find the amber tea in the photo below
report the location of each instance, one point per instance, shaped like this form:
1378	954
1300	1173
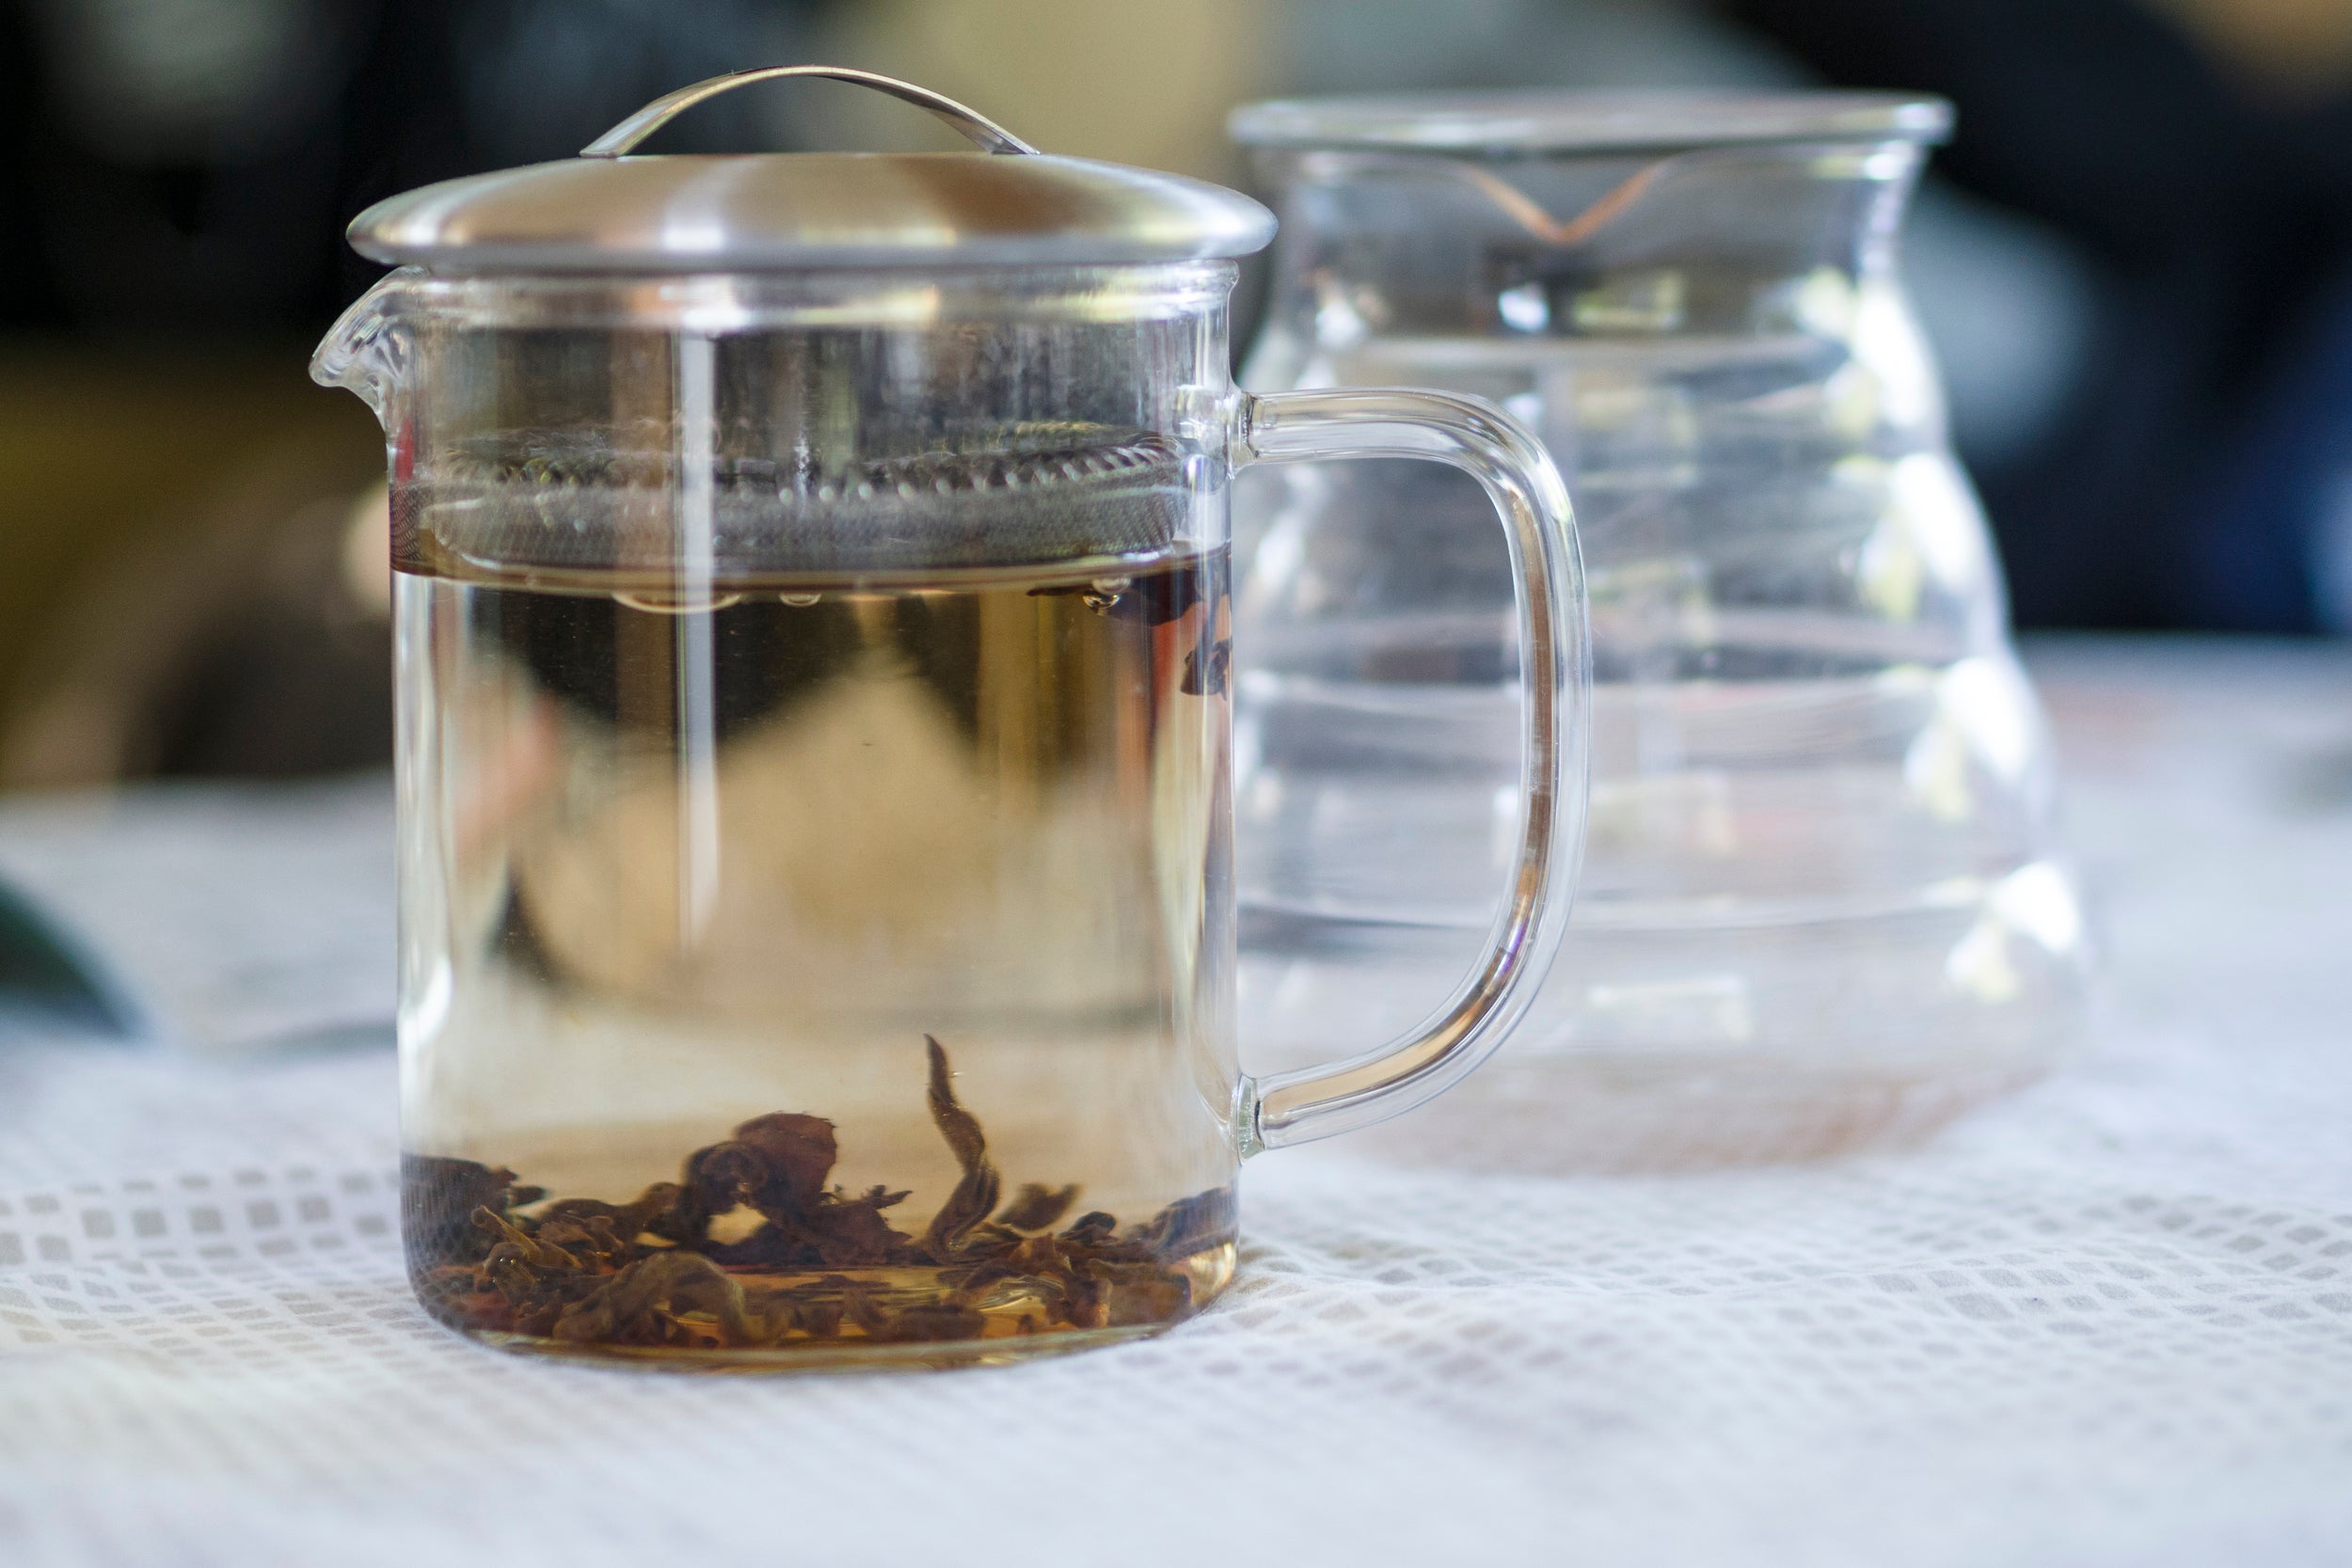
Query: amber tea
818	971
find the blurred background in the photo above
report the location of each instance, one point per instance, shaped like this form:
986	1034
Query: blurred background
2135	259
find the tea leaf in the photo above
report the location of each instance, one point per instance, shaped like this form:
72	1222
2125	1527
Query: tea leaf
1207	668
650	1273
800	1153
1036	1207
975	1195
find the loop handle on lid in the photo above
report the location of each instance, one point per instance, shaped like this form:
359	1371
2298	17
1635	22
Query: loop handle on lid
981	132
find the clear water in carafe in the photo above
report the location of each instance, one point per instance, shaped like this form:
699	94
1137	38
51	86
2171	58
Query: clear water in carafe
1818	903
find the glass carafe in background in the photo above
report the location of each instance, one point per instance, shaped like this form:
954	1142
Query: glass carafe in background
1821	905
815	905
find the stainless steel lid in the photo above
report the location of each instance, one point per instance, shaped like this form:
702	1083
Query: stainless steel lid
1508	123
1009	205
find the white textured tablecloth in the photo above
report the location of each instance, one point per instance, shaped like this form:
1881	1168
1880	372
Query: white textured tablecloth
2108	1321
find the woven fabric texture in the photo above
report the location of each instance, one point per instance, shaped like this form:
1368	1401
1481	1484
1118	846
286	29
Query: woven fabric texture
2106	1321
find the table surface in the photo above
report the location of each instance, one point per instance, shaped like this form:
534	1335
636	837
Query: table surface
2105	1321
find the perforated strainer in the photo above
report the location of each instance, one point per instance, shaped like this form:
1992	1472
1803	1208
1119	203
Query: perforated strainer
1008	496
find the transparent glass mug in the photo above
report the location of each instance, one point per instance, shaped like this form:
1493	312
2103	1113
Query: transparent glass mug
816	915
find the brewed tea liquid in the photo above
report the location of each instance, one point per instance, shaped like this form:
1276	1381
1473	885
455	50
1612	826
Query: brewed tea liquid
800	967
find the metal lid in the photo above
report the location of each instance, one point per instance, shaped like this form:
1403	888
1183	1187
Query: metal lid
1587	121
1010	205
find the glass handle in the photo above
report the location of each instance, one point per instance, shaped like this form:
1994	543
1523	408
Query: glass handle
1555	664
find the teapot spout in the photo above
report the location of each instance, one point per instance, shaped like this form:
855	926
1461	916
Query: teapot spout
368	350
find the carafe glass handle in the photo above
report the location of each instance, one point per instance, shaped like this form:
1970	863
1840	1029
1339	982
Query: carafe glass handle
1555	665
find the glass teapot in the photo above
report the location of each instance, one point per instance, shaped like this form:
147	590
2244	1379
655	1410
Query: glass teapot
814	754
1822	903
